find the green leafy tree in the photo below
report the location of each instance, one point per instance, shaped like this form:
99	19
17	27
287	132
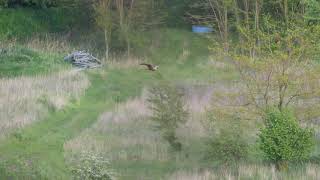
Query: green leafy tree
283	72
282	139
124	17
166	103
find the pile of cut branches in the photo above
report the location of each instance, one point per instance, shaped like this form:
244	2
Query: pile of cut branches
83	59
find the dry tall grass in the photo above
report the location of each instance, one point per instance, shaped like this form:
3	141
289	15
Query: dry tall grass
24	100
126	133
247	171
49	44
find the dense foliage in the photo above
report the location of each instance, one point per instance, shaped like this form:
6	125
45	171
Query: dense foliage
166	103
228	145
283	140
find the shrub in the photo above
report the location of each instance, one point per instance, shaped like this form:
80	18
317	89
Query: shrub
282	140
91	167
166	103
229	144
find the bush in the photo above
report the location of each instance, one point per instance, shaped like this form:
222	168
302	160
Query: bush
166	103
282	140
229	144
91	167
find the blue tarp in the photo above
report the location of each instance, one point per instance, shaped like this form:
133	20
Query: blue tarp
201	29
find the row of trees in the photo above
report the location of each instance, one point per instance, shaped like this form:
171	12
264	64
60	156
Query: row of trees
125	17
117	19
274	45
36	3
251	16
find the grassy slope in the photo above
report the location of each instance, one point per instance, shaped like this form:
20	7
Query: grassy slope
189	69
19	61
37	151
183	56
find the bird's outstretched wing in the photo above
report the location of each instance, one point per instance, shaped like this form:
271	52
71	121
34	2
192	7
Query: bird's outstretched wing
148	65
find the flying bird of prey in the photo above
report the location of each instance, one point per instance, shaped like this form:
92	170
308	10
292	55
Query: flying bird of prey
150	66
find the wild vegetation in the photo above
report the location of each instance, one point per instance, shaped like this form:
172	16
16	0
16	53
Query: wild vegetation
240	102
168	112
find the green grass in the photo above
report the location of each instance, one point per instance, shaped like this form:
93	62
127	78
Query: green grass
38	149
173	68
138	160
159	169
165	46
181	54
21	23
20	61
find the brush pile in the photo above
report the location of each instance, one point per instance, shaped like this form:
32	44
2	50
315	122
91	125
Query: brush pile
83	59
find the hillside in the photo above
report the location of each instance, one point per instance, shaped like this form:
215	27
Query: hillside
242	105
38	149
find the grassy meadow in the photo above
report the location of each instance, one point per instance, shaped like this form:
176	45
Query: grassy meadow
51	112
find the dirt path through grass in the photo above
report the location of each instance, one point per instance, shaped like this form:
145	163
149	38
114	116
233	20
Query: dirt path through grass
37	152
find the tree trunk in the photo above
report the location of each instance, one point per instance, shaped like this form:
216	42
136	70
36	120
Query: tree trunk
285	11
257	15
238	23
128	45
106	39
257	26
282	165
225	30
246	6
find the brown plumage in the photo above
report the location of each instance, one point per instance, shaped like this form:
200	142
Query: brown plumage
150	66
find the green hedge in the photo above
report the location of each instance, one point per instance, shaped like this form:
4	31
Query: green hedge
22	23
38	3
